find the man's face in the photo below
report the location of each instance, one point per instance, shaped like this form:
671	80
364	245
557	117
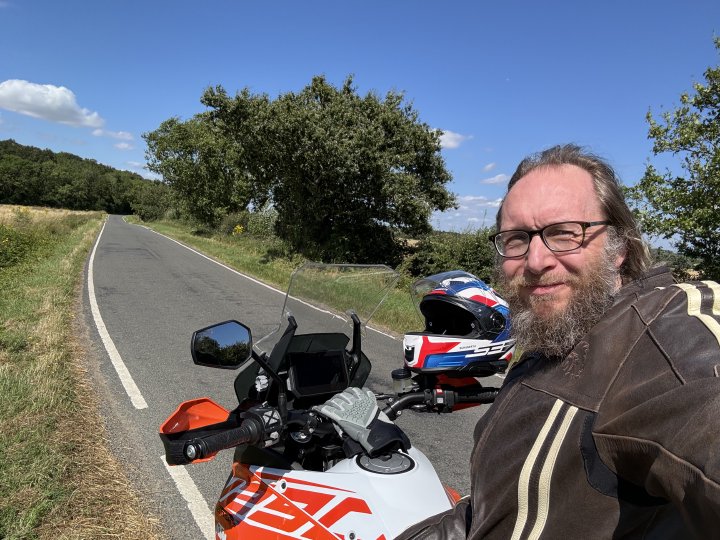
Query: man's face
550	195
556	296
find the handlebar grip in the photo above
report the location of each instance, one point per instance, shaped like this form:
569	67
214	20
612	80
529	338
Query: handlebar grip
247	433
483	396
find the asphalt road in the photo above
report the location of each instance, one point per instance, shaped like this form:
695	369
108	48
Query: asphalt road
150	294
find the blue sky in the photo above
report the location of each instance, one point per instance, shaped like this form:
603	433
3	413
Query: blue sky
502	79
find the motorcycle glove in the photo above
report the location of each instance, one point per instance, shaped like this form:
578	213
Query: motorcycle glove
356	412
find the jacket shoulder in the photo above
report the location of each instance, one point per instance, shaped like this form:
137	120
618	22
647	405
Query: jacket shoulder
683	320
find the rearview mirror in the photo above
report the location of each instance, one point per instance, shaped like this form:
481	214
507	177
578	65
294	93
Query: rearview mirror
226	345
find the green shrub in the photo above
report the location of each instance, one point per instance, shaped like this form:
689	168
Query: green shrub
229	224
15	244
442	251
261	223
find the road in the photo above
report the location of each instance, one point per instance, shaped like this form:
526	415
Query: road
144	296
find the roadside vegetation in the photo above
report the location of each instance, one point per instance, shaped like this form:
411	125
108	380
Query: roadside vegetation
58	478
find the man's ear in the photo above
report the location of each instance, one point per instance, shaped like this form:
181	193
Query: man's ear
621	256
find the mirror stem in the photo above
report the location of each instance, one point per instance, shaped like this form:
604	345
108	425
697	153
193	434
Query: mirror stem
282	395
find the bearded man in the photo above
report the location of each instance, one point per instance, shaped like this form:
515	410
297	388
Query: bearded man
608	426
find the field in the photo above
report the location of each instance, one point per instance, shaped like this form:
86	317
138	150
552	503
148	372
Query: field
57	477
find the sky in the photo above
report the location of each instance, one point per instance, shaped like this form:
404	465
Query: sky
501	79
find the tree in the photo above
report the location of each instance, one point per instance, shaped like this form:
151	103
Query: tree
197	161
29	175
345	173
687	208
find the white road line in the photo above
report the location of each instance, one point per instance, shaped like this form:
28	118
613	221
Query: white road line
125	378
250	278
213	260
195	501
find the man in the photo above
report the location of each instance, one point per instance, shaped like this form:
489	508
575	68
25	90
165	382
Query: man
609	424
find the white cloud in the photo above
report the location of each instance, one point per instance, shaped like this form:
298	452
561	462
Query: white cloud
489	167
450	139
139	168
497	179
48	102
473	212
478	201
122	135
123	146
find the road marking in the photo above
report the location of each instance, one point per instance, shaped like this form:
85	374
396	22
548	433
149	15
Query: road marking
250	278
212	260
125	378
195	501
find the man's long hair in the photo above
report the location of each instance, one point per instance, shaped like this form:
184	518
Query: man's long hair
609	192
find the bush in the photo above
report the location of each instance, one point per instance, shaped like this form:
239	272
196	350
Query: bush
228	225
14	245
258	224
261	223
443	251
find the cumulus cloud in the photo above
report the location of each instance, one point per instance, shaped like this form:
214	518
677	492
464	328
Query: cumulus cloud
48	102
124	146
497	179
450	139
489	167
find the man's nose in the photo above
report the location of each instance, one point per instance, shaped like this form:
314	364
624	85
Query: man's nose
539	257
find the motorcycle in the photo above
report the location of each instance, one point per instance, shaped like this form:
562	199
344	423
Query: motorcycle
297	472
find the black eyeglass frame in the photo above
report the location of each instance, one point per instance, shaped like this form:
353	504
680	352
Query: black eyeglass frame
541	232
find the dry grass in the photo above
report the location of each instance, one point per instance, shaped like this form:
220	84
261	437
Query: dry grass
58	477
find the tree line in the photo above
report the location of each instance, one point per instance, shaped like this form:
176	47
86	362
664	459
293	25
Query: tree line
31	176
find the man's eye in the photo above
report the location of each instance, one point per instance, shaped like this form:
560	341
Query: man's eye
514	239
562	233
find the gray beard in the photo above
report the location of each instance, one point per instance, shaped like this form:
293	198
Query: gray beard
556	334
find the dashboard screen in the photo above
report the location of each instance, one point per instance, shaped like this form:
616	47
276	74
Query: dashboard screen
314	373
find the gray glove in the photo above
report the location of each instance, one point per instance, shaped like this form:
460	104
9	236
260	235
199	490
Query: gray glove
356	412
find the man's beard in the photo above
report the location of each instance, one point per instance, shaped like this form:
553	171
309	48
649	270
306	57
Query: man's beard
554	333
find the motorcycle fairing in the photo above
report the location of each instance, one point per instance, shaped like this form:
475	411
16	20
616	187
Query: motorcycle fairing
264	503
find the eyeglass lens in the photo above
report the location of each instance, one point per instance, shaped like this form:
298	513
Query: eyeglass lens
557	237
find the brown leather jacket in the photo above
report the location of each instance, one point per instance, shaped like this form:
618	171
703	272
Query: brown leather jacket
621	439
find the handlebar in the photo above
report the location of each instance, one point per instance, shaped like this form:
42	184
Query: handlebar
439	400
262	425
248	433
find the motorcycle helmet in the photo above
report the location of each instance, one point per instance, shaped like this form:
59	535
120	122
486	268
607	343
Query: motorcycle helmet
467	327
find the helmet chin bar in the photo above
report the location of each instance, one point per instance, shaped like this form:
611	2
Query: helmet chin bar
427	353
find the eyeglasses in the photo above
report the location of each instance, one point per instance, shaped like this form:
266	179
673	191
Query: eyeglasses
557	237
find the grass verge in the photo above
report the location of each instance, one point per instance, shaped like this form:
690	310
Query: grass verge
58	478
266	260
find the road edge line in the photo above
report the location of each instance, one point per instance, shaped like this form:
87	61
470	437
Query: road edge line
196	503
121	369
